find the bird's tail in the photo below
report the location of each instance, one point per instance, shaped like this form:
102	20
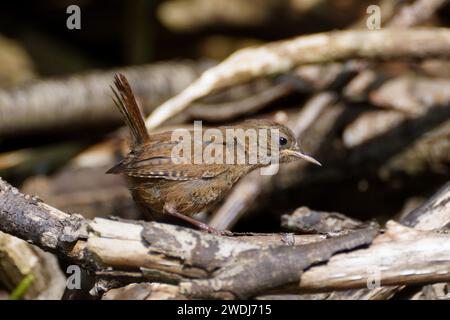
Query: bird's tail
128	107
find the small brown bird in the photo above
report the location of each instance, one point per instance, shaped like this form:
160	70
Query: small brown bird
160	184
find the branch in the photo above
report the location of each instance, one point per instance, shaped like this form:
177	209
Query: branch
416	13
305	220
281	56
85	99
208	266
434	214
225	111
414	95
400	255
29	218
204	265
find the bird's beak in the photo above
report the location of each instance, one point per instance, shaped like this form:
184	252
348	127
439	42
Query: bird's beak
303	156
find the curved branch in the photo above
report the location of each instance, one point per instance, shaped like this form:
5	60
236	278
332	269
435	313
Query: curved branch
208	266
281	56
205	265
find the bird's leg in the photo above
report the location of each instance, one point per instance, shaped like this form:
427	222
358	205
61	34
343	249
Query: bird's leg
201	225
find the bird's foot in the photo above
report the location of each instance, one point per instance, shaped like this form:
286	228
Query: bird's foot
209	229
201	225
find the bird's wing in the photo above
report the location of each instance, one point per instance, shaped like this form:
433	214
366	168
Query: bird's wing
179	172
155	160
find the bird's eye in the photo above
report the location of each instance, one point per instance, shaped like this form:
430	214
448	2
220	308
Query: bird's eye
283	141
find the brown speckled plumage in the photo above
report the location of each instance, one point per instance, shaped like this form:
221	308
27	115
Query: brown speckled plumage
160	186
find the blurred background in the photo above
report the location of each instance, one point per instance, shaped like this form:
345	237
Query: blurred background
381	129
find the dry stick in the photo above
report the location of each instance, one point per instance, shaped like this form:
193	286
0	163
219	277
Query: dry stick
422	9
414	97
193	15
271	268
166	252
28	218
144	291
434	214
86	98
408	15
395	18
437	291
428	151
205	265
384	263
305	220
233	109
279	57
416	13
415	257
427	260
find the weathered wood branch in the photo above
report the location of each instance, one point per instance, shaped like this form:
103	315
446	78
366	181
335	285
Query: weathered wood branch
167	252
29	218
416	13
400	255
434	214
305	220
208	266
281	56
85	99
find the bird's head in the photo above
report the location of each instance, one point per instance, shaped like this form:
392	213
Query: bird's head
287	144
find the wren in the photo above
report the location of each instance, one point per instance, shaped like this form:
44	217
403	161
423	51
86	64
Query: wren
161	185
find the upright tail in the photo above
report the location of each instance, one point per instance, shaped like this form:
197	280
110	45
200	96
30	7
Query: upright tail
128	107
